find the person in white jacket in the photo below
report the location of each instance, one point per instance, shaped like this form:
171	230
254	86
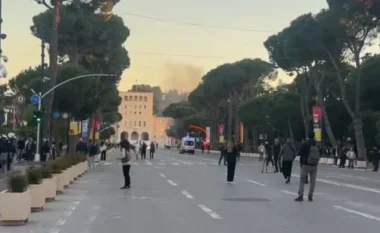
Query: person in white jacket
351	157
103	150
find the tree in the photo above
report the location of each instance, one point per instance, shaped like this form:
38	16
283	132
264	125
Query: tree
355	25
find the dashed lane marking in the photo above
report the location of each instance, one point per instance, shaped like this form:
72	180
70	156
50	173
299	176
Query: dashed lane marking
255	182
172	183
175	164
162	175
365	215
210	212
61	222
358	187
288	192
54	231
187	194
67	213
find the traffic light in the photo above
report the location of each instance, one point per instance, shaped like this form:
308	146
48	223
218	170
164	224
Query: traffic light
37	115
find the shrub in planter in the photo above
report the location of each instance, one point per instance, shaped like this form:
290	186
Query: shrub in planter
37	188
16	203
50	182
56	169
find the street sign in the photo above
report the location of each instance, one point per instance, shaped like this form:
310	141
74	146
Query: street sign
65	115
35	99
56	115
20	99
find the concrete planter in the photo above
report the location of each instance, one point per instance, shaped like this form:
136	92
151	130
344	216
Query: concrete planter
323	161
330	161
60	182
361	164
66	178
51	188
38	194
15	208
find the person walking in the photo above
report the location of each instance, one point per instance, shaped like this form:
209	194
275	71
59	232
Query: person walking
20	148
143	150
287	155
231	159
299	150
125	149
92	151
81	148
46	151
351	157
151	150
276	154
261	151
375	156
223	153
310	154
103	151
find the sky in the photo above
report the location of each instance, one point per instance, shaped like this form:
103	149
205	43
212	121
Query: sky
170	55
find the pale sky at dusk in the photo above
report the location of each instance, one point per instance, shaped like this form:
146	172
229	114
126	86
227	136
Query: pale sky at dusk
150	40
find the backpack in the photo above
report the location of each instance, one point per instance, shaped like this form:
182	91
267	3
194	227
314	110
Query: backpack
314	155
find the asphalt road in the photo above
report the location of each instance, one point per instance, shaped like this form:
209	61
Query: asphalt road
185	194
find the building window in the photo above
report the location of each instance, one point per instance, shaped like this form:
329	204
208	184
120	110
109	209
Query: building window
134	123
130	98
140	98
135	113
140	113
144	123
139	123
140	106
126	98
135	98
145	98
145	106
130	123
126	106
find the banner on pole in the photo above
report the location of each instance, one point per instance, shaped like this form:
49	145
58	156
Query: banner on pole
221	133
85	129
207	135
317	121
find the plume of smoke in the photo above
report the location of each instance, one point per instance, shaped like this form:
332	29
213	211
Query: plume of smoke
181	76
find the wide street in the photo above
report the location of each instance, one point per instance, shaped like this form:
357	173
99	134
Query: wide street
185	194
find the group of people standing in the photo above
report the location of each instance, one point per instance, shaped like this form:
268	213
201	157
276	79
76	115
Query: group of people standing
143	147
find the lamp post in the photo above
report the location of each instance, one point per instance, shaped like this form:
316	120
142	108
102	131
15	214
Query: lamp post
41	96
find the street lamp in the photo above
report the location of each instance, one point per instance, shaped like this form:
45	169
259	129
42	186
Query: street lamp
41	96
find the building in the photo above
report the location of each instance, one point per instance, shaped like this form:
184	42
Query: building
139	122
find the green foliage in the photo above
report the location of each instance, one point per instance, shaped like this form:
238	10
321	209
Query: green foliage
179	110
56	167
34	175
46	172
17	184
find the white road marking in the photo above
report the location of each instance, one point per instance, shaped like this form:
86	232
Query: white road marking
54	231
159	167
214	163
288	192
172	183
162	175
107	163
67	213
92	219
188	195
96	207
72	207
210	212
76	202
162	160
358	187
161	164
4	191
140	198
175	164
149	163
201	163
357	213
255	182
61	222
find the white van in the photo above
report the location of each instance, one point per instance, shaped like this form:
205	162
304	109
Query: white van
187	145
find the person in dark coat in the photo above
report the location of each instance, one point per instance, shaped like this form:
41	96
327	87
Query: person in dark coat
82	148
231	159
276	154
375	155
143	150
287	156
151	150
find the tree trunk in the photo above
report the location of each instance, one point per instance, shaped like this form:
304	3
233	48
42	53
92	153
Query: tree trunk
304	118
229	135
290	130
360	144
53	57
246	143
255	142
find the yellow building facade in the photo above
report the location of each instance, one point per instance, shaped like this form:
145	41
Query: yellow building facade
139	122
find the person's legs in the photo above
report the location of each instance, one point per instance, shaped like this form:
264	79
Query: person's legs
221	157
105	155
89	162
92	163
127	176
290	170
276	163
285	169
303	176
229	170
313	179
